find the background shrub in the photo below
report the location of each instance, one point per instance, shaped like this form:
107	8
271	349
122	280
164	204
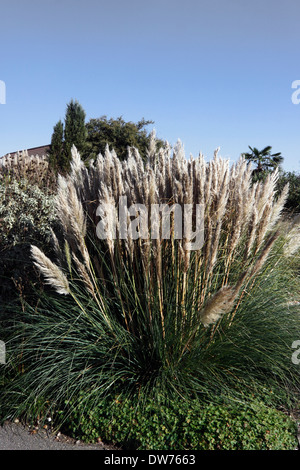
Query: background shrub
292	204
27	215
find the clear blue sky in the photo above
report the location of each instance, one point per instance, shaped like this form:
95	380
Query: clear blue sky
213	73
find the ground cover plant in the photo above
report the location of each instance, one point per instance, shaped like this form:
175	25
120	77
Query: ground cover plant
144	318
174	425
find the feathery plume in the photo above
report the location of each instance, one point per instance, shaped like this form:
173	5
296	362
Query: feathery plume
219	304
52	273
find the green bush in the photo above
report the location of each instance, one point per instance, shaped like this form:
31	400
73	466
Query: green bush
182	425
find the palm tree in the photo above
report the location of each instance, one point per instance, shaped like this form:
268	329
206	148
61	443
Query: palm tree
265	161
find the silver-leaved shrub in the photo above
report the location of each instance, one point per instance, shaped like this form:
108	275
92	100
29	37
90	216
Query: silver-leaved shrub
27	213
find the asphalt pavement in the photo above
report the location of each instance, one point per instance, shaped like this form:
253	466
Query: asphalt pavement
15	436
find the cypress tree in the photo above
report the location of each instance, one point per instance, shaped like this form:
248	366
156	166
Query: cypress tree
57	151
75	132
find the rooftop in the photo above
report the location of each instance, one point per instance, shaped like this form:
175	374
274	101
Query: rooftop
40	151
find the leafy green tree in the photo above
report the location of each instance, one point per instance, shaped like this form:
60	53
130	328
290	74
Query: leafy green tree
91	138
265	161
119	135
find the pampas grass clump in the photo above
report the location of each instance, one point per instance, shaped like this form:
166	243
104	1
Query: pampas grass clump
34	168
149	314
240	226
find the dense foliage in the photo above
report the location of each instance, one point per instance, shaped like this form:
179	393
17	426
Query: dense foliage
181	425
118	135
91	138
